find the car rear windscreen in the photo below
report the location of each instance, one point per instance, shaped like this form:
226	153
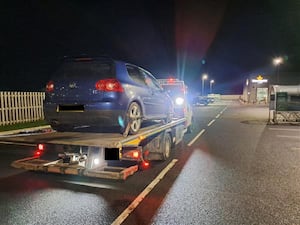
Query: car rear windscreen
80	69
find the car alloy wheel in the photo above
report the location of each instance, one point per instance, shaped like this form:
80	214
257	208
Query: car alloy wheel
134	116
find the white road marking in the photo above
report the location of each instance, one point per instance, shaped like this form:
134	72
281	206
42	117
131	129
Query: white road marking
143	194
223	110
195	138
211	122
202	131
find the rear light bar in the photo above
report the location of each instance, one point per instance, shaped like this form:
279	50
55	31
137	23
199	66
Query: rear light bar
109	85
133	155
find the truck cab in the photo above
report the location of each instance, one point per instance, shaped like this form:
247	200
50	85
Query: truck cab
178	91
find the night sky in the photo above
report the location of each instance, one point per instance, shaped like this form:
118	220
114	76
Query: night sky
229	40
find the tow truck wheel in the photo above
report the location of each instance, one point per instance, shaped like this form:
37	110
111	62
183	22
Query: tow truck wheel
166	147
190	127
134	117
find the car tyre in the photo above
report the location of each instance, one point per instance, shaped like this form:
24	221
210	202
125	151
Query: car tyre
134	118
166	146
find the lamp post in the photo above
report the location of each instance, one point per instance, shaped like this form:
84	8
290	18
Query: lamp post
204	77
210	85
277	61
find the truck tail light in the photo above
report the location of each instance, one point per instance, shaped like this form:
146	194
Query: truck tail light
133	155
109	85
39	151
136	154
41	147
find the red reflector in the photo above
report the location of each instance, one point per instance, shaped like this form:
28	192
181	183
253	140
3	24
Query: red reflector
50	86
38	153
145	165
109	85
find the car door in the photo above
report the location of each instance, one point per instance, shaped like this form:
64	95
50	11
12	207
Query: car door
140	89
157	101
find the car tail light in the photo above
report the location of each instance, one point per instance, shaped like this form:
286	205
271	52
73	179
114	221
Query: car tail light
109	85
50	86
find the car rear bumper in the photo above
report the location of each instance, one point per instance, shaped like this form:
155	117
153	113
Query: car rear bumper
72	116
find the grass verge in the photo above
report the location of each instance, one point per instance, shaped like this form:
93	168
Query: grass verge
18	126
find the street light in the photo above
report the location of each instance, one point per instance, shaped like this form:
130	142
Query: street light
204	77
210	85
277	61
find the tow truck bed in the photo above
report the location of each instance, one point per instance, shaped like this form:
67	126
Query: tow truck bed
82	163
107	140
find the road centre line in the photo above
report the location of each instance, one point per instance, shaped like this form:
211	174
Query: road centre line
120	219
211	122
223	110
220	113
195	138
203	130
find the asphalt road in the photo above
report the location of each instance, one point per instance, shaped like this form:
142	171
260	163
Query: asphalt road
233	169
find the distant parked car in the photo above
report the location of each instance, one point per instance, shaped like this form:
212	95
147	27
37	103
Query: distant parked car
200	100
97	92
210	99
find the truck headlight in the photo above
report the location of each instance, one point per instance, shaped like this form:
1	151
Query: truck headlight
179	101
96	161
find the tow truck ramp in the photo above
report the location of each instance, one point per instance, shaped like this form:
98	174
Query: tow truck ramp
91	154
57	166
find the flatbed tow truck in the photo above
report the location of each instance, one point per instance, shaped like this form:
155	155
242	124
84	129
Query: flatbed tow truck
90	154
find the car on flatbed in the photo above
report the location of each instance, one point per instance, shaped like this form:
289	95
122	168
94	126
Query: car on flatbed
92	92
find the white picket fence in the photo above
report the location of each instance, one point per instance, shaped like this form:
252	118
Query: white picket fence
20	107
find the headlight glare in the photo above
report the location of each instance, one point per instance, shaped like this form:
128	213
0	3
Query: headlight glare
179	101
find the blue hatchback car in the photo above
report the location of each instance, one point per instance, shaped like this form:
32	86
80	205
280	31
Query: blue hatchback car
101	92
